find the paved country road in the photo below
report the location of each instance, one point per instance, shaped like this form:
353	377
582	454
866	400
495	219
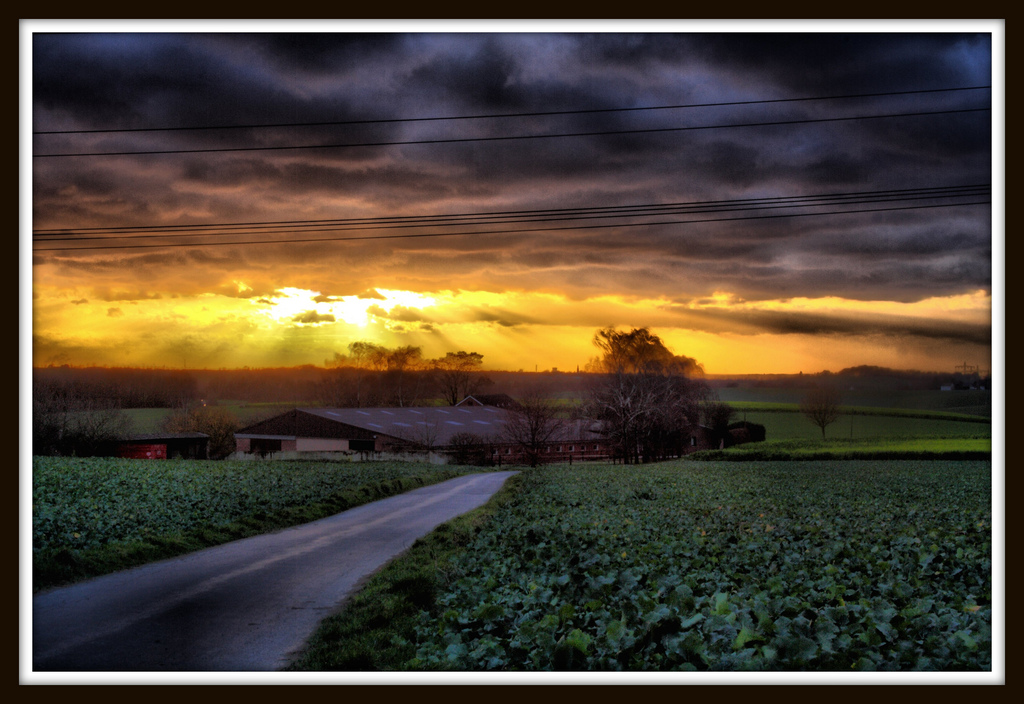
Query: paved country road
248	605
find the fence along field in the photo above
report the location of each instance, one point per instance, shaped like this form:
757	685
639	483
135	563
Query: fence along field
719	566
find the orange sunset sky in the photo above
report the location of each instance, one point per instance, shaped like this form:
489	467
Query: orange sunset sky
769	202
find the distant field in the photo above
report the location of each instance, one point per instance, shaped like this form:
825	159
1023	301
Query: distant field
977	403
889	448
150	420
787	423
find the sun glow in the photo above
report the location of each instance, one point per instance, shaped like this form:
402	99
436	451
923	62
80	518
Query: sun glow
290	325
305	307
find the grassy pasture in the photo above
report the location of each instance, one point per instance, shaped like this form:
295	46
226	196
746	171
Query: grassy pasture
787	423
888	448
150	420
970	402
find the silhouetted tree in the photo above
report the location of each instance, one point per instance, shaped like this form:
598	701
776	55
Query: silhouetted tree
459	375
649	398
469	448
373	375
399	361
218	423
531	425
715	416
821	406
66	421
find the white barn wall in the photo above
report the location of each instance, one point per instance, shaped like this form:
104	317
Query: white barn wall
321	445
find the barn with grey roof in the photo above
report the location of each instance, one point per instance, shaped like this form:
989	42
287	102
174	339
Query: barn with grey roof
434	432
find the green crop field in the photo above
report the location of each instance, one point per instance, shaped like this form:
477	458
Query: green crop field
95	515
843	564
784	566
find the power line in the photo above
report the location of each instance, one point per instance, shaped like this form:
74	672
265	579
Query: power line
510	137
521	216
933	190
547	113
505	232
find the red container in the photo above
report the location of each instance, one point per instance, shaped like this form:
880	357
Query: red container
143	452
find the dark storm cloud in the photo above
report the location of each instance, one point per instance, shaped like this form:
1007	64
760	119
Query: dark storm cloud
480	77
639	51
101	79
794	323
316	53
133	80
836	62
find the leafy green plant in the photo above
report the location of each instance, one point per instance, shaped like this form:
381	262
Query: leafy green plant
720	566
96	515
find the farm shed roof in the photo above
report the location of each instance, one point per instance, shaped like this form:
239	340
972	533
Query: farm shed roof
432	425
427	425
498	400
160	437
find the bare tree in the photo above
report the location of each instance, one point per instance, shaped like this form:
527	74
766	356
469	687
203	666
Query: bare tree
821	406
469	448
68	421
425	435
531	425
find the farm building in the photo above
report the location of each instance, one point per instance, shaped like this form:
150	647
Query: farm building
464	433
496	400
473	432
190	446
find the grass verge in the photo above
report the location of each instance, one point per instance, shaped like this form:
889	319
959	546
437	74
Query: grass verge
64	566
375	630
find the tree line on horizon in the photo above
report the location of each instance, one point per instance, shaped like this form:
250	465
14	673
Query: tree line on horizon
648	398
372	375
